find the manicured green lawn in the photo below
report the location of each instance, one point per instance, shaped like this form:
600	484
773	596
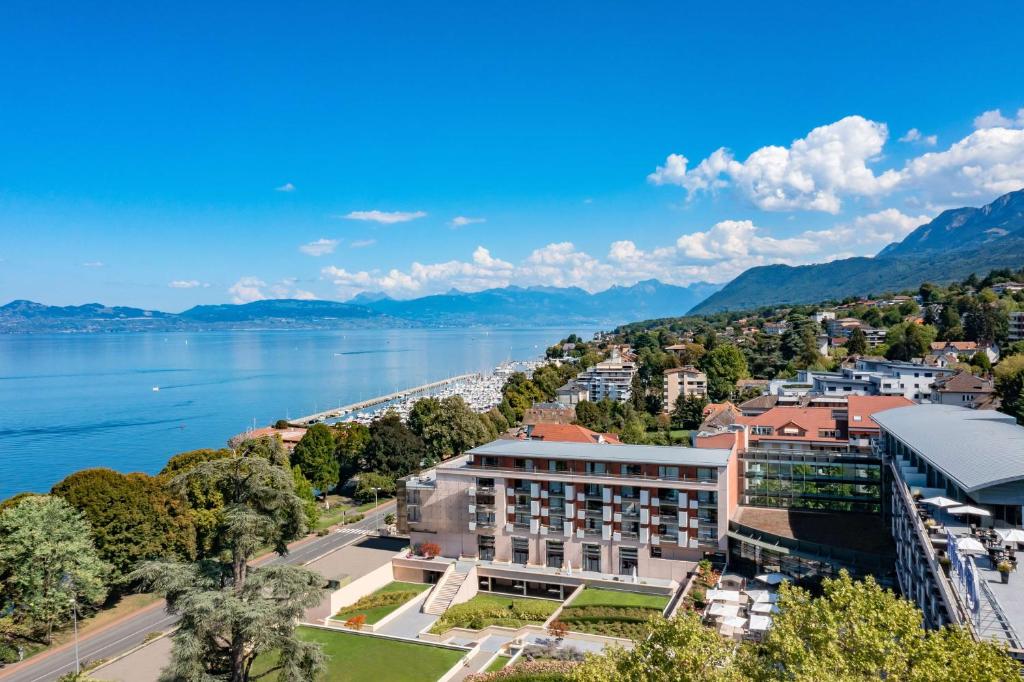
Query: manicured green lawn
613	613
595	596
495	609
498	663
357	658
382	602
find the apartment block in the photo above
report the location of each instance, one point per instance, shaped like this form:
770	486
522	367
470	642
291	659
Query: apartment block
683	382
611	378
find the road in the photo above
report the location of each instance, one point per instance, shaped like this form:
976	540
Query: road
129	633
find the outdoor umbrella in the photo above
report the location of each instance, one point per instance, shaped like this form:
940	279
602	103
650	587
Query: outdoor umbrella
764	607
970	546
723	595
724	610
1011	535
760	622
941	502
758	595
772	578
968	509
735	622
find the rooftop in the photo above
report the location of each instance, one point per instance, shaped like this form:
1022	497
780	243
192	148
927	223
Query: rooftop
951	438
859	532
569	433
964	382
860	408
649	454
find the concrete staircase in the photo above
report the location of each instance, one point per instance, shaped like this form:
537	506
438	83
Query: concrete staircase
445	591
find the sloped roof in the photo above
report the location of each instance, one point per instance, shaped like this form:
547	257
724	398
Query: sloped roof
975	448
861	408
964	382
808	419
569	433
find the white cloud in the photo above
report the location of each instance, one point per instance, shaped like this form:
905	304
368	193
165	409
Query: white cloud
995	119
94	264
320	247
187	284
385	217
362	243
286	187
740	239
462	221
812	173
915	135
869	232
249	289
986	163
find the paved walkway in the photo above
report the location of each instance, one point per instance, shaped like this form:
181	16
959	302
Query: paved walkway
410	622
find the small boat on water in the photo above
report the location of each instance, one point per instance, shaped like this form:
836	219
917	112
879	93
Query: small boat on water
156	388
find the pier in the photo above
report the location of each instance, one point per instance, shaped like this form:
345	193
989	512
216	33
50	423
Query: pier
345	410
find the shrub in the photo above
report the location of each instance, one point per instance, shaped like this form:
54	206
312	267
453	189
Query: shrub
552	652
529	671
390	518
354	518
430	549
356	622
370	480
477	615
557	629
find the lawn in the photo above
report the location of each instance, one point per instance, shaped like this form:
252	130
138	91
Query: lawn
382	602
341	509
498	663
352	658
495	609
614	613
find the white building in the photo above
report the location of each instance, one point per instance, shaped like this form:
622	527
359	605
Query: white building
610	379
683	382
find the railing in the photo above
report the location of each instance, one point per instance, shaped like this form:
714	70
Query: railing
572	475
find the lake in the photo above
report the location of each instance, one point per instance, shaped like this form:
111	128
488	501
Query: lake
70	402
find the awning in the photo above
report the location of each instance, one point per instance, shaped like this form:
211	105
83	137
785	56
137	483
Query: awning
969	510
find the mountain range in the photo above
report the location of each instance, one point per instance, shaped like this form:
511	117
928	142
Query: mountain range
955	244
508	306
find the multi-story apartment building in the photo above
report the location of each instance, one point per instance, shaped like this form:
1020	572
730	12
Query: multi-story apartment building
611	378
1015	331
877	376
940	459
683	382
554	507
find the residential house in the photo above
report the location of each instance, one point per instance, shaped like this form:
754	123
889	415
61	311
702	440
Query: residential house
965	390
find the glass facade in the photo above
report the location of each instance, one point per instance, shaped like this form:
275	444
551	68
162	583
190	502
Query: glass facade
811	481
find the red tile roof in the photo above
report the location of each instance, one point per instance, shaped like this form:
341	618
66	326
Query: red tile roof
808	420
861	407
570	433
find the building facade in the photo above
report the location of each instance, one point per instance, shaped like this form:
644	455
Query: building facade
611	378
603	509
683	382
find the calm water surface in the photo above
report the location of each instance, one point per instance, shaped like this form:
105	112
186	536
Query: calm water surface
70	402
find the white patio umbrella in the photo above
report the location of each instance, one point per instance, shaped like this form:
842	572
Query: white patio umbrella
724	595
940	502
1011	535
969	510
764	607
735	622
726	610
970	546
760	622
757	595
772	578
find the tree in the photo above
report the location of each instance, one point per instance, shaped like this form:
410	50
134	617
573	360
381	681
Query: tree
857	344
393	449
1010	386
859	631
723	365
133	517
47	561
270	448
680	649
374	486
689	412
908	340
634	432
590	415
203	503
231	612
305	492
350	441
314	455
447	426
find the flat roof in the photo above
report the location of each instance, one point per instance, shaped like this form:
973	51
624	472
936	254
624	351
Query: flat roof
650	454
976	448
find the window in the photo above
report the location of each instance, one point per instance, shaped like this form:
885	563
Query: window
668	472
595	468
556	488
486	461
555	554
558	465
767	430
592	490
629	492
525	464
412	513
655	552
706	474
627	560
592	558
523	520
520	551
632	470
485	547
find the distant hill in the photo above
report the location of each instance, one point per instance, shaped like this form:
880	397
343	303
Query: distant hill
509	306
952	246
545	306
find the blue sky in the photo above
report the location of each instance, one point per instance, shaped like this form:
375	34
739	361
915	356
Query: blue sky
192	153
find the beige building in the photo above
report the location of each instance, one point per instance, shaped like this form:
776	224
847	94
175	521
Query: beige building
553	507
683	382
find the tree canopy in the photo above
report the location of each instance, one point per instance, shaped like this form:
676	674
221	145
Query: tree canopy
315	456
723	365
393	449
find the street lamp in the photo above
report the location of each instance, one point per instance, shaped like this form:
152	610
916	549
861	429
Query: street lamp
375	503
69	581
